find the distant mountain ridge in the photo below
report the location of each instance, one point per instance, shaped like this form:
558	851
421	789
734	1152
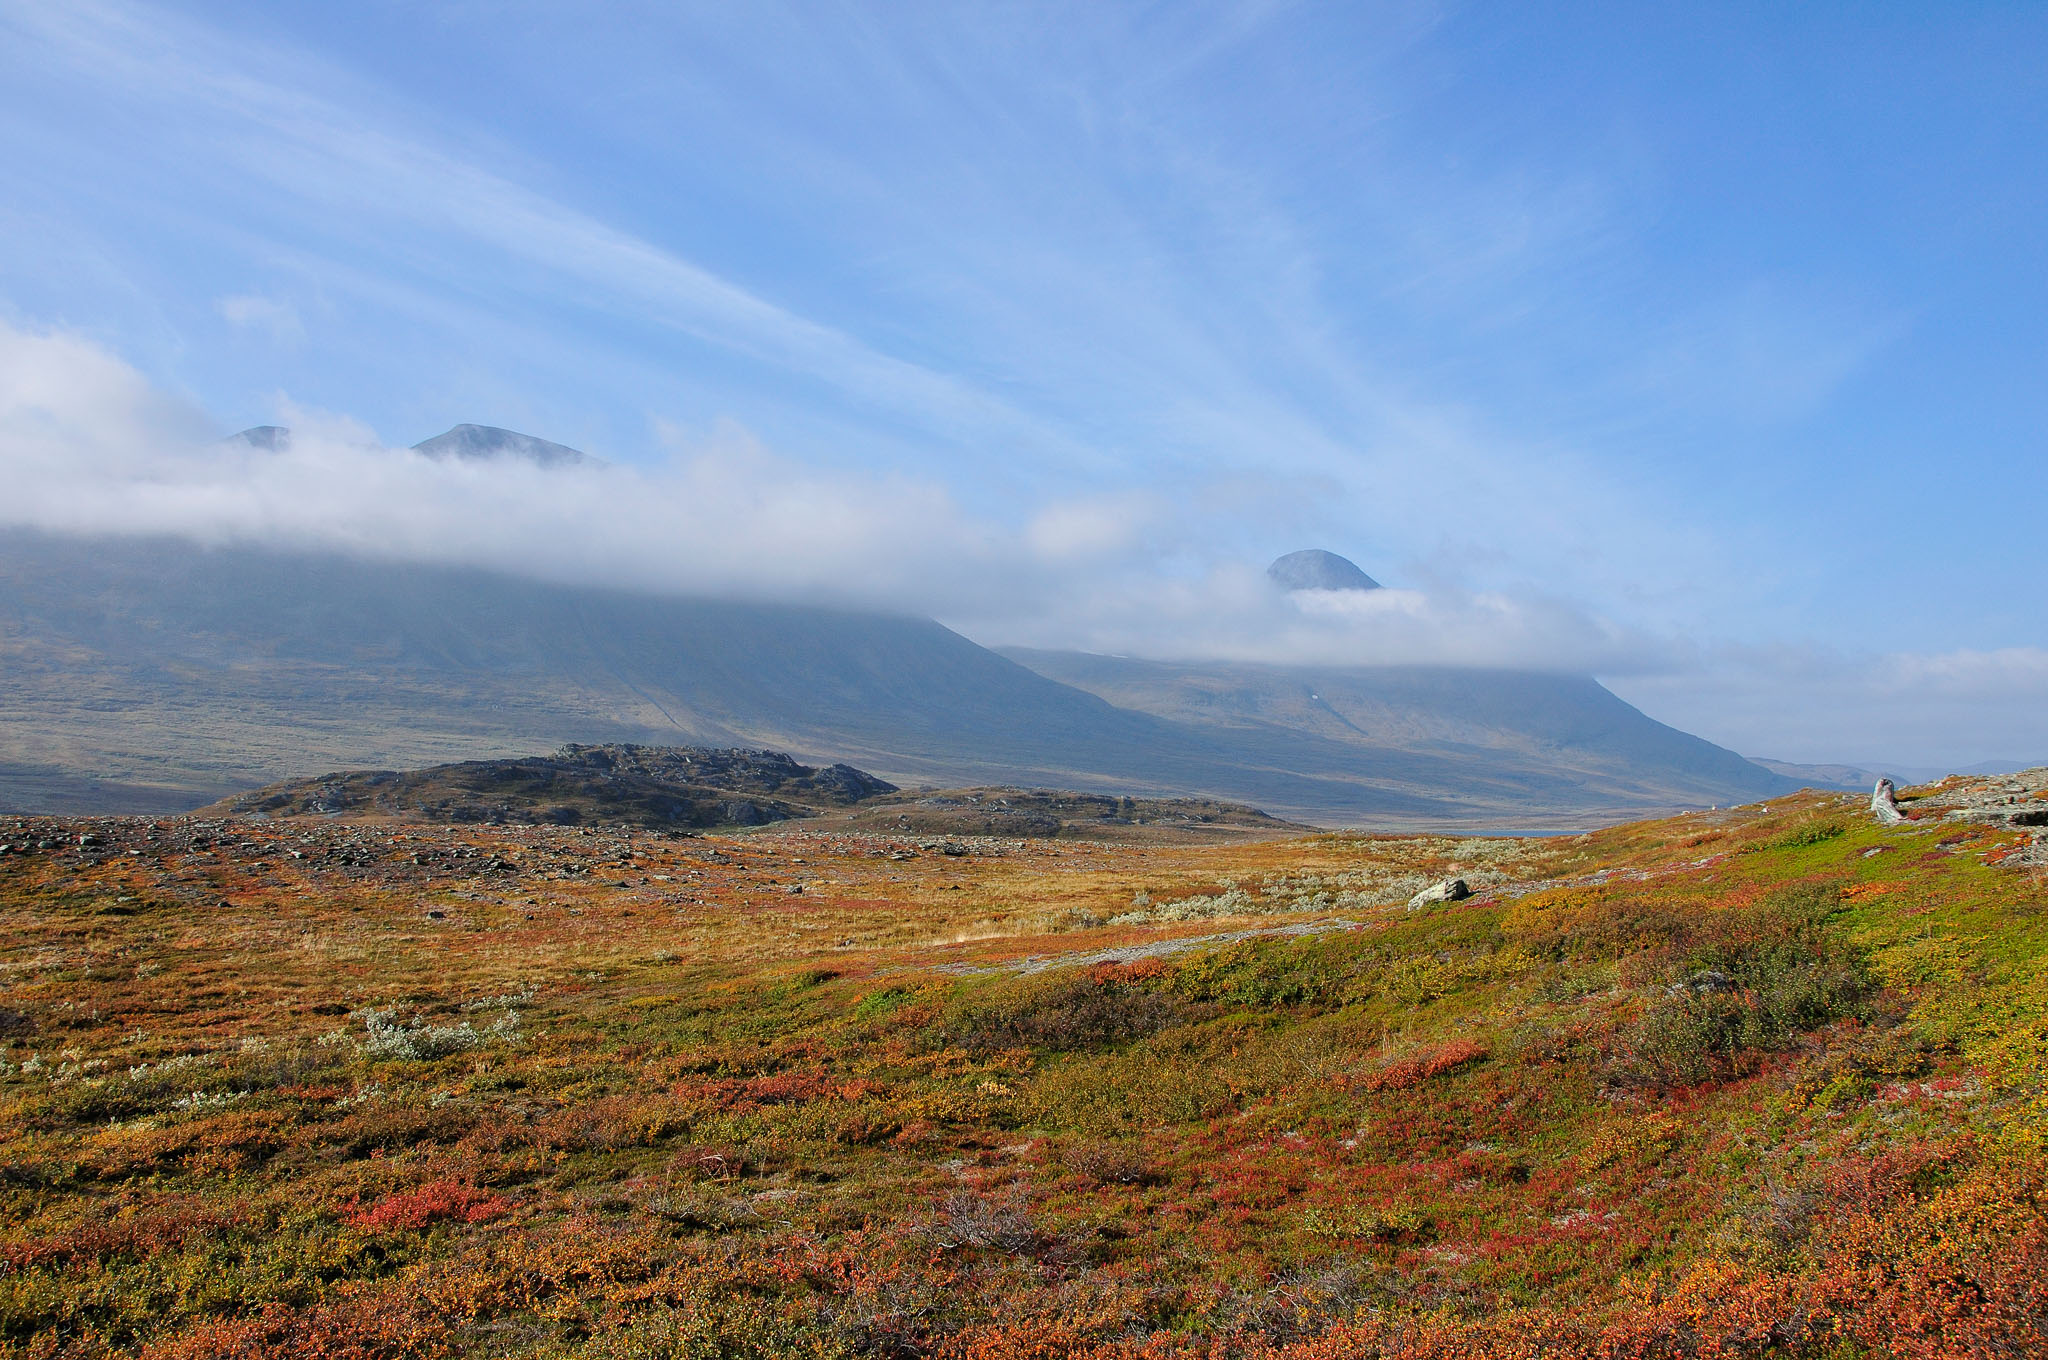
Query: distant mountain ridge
1861	777
480	443
471	443
1490	724
156	675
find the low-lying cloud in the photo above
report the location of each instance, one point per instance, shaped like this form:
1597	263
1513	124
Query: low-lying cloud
89	447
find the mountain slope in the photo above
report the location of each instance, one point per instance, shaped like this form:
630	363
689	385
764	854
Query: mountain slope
1512	721
156	675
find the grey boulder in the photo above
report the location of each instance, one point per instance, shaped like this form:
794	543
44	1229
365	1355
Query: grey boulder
1450	890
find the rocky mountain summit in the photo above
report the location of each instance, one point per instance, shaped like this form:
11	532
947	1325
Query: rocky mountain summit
1317	569
480	443
469	443
264	438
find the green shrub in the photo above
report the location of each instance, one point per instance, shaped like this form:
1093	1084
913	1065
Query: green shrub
1074	1011
1266	973
1813	833
1757	980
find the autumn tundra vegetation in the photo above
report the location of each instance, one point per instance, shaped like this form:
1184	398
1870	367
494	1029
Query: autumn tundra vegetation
1758	1082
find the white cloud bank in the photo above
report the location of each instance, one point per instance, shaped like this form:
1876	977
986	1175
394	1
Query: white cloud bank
90	447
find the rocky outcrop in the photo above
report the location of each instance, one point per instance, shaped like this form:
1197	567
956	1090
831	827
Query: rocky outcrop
2015	800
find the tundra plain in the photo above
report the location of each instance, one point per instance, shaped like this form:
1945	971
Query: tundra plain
1759	1082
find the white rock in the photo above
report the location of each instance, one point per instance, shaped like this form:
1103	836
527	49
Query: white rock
1884	803
1450	890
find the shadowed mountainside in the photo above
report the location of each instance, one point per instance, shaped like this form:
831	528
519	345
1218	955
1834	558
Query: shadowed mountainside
1506	722
155	675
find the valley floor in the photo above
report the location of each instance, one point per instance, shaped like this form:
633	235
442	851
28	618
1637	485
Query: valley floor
1761	1082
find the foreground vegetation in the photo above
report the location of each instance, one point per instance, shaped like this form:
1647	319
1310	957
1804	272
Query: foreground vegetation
1766	1082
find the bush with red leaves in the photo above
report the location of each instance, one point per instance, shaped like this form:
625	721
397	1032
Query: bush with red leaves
443	1201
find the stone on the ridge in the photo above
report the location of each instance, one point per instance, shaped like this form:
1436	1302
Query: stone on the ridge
1884	803
1450	890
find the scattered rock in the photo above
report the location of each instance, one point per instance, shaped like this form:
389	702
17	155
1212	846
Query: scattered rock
1450	890
1884	804
1706	982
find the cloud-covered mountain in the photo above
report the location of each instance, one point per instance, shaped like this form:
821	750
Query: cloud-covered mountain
485	443
153	674
1318	569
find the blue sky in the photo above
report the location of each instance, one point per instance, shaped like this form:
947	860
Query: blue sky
1710	338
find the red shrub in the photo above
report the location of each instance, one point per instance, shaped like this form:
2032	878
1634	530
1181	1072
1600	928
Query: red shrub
435	1202
740	1094
1416	1070
1138	970
376	1328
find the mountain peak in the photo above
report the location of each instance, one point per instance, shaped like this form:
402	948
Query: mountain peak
1316	569
268	438
488	442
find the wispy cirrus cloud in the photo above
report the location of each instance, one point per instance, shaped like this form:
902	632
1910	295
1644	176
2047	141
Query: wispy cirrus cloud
355	160
279	321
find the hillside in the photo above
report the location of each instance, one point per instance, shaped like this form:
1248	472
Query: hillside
1756	1085
1008	813
158	676
1504	724
679	787
653	787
